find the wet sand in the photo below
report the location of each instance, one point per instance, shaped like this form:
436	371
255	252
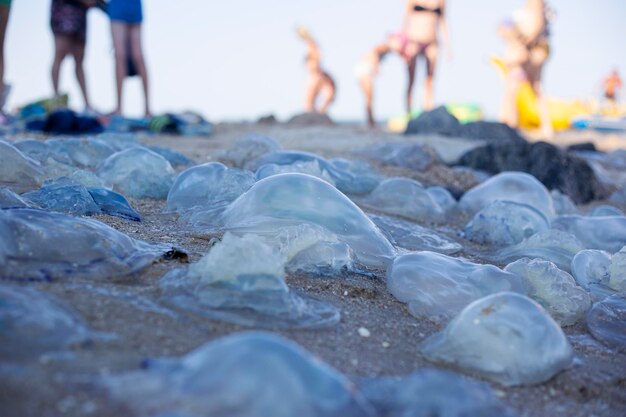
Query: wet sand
130	308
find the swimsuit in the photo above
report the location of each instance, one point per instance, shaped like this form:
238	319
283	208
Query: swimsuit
418	8
68	19
126	11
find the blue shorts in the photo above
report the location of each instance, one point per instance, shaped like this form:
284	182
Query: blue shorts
127	11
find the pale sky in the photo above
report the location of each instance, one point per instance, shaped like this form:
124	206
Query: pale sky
237	60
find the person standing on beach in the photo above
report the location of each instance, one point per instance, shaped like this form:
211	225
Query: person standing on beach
612	85
515	57
5	8
320	81
68	20
368	67
126	19
422	20
532	23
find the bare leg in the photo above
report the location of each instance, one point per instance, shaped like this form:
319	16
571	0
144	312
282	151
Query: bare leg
78	51
430	53
544	113
367	85
312	90
508	109
330	90
138	59
119	32
4	21
62	47
409	91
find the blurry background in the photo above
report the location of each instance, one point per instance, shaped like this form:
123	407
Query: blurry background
240	60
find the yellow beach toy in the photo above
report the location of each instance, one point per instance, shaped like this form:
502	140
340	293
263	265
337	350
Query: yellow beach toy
562	112
465	113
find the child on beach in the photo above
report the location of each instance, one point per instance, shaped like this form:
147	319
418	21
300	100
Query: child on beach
367	69
515	56
320	81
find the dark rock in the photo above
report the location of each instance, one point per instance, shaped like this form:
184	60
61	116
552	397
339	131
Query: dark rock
497	157
491	132
437	121
555	168
587	146
310	119
269	119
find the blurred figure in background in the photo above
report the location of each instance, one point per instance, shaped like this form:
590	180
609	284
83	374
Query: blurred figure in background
5	8
367	69
126	19
515	57
612	85
68	20
422	20
533	24
320	81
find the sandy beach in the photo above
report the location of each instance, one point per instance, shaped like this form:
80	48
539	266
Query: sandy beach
131	311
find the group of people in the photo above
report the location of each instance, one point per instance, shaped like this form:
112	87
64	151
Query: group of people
68	21
527	49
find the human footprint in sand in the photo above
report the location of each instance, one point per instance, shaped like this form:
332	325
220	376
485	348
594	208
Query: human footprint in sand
422	21
367	69
320	81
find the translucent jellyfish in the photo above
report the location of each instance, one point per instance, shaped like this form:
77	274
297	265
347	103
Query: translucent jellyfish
443	197
346	181
617	271
506	337
207	186
307	167
8	199
250	293
42	245
247	150
554	289
289	200
429	393
406	198
119	141
607	321
404	155
414	237
113	204
17	171
438	287
87	178
36	149
32	323
66	197
84	152
509	186
174	158
590	269
368	178
138	173
552	245
602	233
246	374
605	210
505	223
563	204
